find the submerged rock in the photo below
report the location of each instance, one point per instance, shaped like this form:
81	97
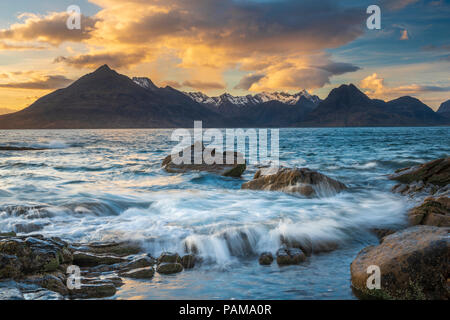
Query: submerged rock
429	178
432	212
290	256
265	259
303	181
141	273
10	148
9	290
169	268
234	169
414	264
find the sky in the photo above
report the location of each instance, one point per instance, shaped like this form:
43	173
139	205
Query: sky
236	46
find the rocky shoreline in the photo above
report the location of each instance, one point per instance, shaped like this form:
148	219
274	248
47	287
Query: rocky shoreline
414	262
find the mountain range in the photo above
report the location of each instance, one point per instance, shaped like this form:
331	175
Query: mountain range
107	99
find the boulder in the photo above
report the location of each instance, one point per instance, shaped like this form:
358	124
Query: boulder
169	257
141	273
188	261
234	169
265	259
290	256
414	264
303	181
10	266
429	178
432	212
169	268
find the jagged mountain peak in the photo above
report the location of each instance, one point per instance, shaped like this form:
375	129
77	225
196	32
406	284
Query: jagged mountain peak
227	98
144	82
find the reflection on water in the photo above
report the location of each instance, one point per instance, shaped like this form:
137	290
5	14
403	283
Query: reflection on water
108	184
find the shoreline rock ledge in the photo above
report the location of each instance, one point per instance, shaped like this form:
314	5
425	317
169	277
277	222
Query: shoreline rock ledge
304	181
236	169
414	265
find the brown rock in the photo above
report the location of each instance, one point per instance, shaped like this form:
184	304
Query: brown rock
428	178
433	212
85	259
304	181
290	256
141	273
265	259
169	257
414	264
234	169
169	268
188	261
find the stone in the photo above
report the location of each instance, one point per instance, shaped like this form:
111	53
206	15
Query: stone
290	256
429	178
302	181
235	169
9	290
169	268
414	264
169	257
188	261
141	273
101	289
432	212
10	266
265	259
85	259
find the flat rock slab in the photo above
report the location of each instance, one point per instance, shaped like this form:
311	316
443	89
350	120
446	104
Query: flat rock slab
84	259
141	273
414	264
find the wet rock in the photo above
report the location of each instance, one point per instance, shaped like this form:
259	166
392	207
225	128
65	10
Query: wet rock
234	169
8	234
290	256
10	148
35	254
188	261
55	282
9	290
43	294
85	259
141	273
303	181
119	249
309	247
432	212
382	233
429	178
414	264
169	268
169	257
10	266
265	259
101	289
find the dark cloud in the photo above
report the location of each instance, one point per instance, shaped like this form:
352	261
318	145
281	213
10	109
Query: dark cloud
338	68
46	83
246	82
203	85
268	26
114	60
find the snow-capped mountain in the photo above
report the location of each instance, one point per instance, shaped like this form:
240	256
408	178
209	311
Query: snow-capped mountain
144	83
283	97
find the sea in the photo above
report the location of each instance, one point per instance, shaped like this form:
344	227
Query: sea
108	185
